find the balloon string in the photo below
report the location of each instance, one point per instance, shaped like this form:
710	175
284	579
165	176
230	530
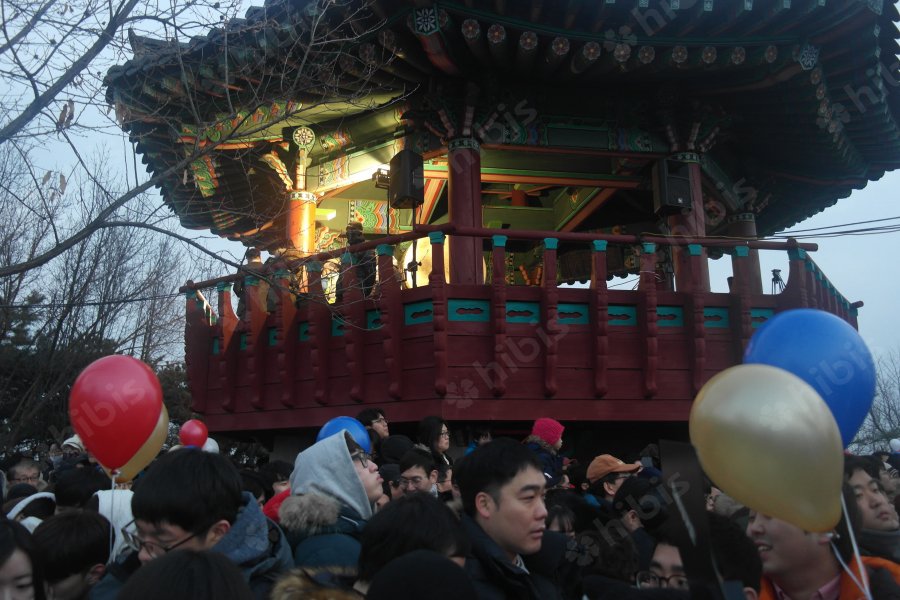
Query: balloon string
112	514
864	584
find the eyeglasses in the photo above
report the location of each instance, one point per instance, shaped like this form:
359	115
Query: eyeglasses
154	549
414	481
363	458
381	420
445	433
28	479
649	579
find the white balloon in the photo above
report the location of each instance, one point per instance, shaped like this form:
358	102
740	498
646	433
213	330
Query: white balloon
211	446
895	445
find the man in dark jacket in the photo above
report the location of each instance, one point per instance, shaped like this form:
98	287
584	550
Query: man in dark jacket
502	486
192	499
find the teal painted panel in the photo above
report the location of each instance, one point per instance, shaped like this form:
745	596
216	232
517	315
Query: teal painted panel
373	319
670	316
478	311
715	318
523	312
758	316
572	314
243	341
215	346
273	336
418	312
304	332
337	327
622	315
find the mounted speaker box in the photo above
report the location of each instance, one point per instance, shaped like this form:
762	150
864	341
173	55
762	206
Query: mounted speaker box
407	187
671	187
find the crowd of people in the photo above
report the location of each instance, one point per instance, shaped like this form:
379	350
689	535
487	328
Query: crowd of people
505	518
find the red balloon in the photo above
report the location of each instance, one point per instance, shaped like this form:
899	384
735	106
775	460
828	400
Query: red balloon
114	406
193	433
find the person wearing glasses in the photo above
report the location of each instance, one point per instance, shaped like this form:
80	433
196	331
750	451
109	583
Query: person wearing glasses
334	487
26	471
192	500
377	427
418	473
435	436
606	473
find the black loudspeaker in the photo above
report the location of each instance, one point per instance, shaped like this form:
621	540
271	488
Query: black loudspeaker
671	187
407	187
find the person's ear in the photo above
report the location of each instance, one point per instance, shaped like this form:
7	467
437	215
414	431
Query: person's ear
216	533
484	504
750	594
95	574
433	477
608	488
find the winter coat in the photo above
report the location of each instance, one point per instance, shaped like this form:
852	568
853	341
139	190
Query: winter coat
317	584
328	507
884	580
254	543
495	578
322	532
551	462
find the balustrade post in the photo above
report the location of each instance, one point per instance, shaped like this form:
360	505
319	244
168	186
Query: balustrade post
199	333
390	310
498	311
464	202
649	328
439	310
599	306
319	332
353	315
695	309
285	337
227	363
741	322
549	312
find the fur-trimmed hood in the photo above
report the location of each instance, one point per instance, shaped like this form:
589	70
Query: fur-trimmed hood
333	583
309	513
540	443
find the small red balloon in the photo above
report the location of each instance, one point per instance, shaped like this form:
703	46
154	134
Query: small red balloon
114	406
193	433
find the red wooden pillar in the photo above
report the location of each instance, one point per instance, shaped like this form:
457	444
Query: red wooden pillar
549	312
464	181
694	313
439	312
390	309
498	311
691	224
301	221
743	225
648	318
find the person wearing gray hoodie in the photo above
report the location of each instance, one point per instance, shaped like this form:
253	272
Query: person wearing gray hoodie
333	488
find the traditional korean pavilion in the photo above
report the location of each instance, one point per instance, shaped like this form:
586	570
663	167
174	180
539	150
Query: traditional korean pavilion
563	141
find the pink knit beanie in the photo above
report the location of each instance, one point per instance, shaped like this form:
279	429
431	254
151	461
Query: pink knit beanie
549	430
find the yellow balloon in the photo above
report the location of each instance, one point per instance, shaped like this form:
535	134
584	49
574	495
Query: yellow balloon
766	438
145	455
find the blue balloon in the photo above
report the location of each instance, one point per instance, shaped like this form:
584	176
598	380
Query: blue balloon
356	429
826	352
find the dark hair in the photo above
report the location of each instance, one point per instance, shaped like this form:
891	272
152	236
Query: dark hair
367	415
14	536
637	493
861	463
489	467
430	432
253	483
42	508
188	575
417	458
415	522
20	490
74	487
564	514
188	488
616	558
72	542
273	472
479	431
736	555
